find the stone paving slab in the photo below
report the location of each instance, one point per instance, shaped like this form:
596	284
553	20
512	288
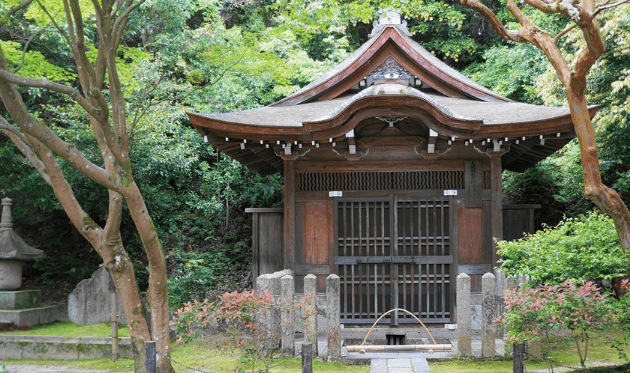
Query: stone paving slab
400	365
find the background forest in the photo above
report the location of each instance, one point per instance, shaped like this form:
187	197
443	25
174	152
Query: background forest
221	56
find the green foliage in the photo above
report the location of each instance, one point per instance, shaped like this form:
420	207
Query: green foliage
35	64
581	248
510	71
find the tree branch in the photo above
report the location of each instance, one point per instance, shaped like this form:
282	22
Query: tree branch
52	20
24	146
13	10
31	127
492	18
121	21
28	43
79	218
607	5
53	86
564	32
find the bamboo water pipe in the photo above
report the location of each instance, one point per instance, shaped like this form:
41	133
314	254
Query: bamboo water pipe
433	347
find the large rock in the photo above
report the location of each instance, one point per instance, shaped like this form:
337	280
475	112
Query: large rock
90	302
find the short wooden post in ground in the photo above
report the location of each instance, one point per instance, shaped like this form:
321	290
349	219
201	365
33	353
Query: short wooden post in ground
310	330
517	365
150	357
114	327
288	315
488	327
463	316
307	358
333	317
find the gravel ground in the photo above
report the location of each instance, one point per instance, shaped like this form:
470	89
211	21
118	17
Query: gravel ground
19	368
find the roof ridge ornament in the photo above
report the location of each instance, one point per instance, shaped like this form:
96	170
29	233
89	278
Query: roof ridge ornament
391	71
389	18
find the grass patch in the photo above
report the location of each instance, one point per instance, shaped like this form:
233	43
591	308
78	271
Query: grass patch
70	330
198	355
563	351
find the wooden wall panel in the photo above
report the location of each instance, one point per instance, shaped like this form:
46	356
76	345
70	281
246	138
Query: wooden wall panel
314	238
470	235
473	176
270	242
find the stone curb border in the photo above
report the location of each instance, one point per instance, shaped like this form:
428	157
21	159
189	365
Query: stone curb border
63	348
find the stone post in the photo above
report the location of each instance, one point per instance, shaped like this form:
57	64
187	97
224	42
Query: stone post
274	316
263	319
310	330
333	317
463	316
288	315
488	327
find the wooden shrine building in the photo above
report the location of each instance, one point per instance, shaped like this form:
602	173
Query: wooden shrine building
392	167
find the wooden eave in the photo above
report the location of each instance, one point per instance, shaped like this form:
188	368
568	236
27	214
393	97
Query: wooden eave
219	128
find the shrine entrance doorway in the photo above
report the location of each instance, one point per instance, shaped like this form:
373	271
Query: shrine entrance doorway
394	252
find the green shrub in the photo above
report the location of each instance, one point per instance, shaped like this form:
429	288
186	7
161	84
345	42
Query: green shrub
586	246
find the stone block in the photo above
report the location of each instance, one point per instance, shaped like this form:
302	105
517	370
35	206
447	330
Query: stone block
29	316
90	302
10	274
14	300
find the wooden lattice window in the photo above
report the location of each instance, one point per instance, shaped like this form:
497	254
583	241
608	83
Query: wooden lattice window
375	180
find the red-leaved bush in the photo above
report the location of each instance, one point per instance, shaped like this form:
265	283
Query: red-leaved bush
531	314
236	324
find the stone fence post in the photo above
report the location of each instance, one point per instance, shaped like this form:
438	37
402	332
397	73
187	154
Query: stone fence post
488	306
333	317
269	320
310	329
288	315
464	316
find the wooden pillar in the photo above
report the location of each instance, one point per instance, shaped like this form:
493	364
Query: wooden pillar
289	213
496	186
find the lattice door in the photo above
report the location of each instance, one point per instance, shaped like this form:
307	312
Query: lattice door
394	256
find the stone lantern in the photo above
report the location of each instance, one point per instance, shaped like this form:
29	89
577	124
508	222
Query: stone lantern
13	251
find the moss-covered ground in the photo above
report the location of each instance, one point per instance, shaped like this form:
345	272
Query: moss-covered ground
563	352
70	330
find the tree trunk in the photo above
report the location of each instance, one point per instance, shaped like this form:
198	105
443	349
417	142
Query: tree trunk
605	198
157	295
121	270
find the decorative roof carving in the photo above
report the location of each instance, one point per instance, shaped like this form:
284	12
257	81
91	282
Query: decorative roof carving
390	71
389	17
391	120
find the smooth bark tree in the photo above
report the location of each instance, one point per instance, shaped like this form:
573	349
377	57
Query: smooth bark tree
572	75
101	96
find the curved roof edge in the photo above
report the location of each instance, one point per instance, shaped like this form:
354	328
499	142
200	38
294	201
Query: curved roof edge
423	58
